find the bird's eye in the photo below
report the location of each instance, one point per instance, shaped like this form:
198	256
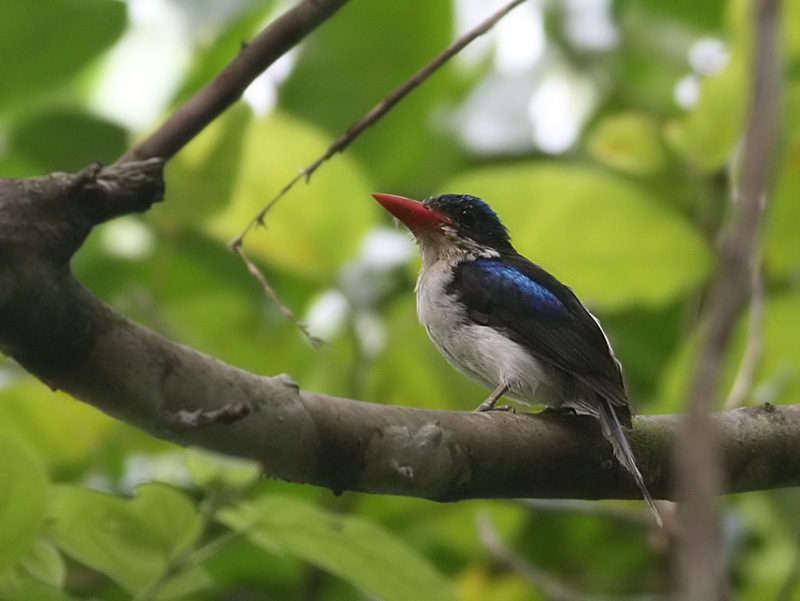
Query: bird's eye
468	217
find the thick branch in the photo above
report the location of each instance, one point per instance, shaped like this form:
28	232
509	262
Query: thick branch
63	334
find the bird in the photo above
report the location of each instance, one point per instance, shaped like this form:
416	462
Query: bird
509	325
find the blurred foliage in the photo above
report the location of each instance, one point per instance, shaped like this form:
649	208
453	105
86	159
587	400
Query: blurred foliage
628	213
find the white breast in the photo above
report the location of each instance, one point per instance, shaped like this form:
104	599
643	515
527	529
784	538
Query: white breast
479	352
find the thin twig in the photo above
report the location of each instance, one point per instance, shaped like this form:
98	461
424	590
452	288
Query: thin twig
753	350
253	269
633	517
192	555
229	84
377	112
698	457
502	554
352	132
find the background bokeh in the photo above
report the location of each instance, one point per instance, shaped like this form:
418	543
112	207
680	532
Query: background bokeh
605	134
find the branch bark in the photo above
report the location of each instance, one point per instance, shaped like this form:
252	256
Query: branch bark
62	333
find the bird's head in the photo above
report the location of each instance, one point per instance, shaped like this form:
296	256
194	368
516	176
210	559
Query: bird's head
455	221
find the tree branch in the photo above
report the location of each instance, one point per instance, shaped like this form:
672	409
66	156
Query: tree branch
63	334
699	456
229	84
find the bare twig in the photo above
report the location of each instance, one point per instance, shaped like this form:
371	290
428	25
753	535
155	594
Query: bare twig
502	554
192	556
230	83
383	107
745	376
352	132
698	457
633	517
270	291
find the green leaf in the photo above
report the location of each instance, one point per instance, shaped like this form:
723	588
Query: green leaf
74	32
68	141
480	582
704	14
777	378
130	540
629	142
44	564
318	224
30	591
23	487
212	470
790	19
782	252
707	135
381	45
614	242
63	432
779	374
349	547
201	177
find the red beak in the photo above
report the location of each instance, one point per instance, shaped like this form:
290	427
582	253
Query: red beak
414	215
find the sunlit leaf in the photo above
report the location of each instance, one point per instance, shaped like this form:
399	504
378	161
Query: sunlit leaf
318	224
212	470
779	371
200	178
62	431
23	486
44	564
630	142
349	547
790	20
707	135
477	583
782	252
613	241
130	540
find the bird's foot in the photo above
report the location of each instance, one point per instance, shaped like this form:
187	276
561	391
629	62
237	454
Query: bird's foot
490	404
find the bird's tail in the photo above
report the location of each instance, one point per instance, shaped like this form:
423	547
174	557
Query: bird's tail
613	432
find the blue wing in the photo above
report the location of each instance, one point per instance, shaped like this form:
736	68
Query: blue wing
544	316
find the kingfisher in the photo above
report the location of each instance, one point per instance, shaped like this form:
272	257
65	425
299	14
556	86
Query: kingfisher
509	325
